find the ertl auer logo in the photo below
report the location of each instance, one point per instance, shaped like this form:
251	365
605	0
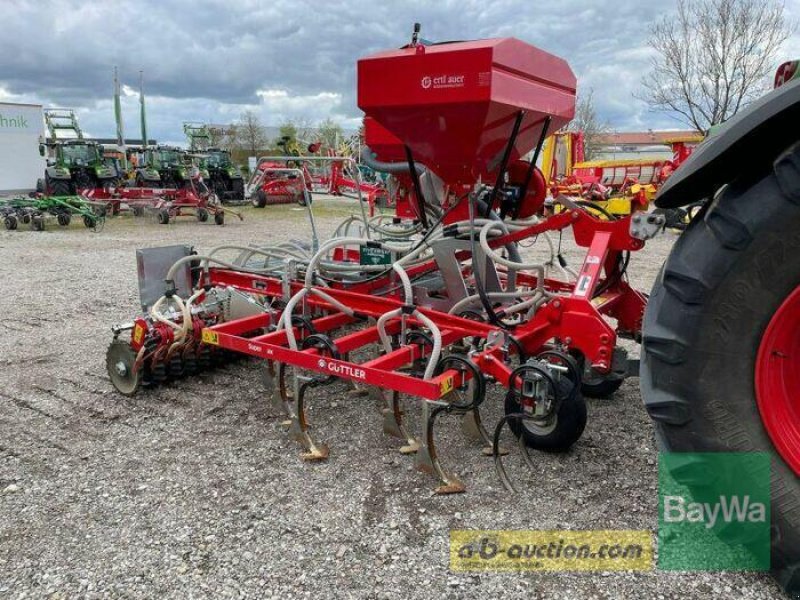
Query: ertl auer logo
442	81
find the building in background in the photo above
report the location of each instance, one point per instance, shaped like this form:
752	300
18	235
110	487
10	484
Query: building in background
21	132
656	145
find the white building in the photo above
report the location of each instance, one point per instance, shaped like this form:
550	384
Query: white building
21	132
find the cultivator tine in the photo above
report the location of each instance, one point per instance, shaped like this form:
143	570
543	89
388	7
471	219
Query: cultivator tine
472	424
498	461
392	412
497	452
299	429
428	459
268	376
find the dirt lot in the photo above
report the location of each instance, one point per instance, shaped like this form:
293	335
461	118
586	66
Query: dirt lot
194	490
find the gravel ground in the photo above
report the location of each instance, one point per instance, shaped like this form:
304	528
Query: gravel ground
193	490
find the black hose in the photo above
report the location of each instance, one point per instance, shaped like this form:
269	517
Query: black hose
368	158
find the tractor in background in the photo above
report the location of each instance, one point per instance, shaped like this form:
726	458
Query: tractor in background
215	164
74	164
162	167
224	178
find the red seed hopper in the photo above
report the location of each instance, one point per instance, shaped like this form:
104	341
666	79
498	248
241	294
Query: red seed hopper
455	105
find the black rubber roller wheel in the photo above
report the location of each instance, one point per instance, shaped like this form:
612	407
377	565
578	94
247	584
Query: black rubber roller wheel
558	432
718	357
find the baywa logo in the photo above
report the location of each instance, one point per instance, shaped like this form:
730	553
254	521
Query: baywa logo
714	511
426	82
733	509
18	122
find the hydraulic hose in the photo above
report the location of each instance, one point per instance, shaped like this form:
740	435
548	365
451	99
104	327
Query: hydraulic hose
368	158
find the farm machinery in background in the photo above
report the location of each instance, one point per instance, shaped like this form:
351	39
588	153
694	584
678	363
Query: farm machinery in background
193	199
435	303
162	167
295	177
612	186
218	171
286	179
73	163
36	211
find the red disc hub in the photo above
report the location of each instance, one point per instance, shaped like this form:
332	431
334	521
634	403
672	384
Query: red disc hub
778	380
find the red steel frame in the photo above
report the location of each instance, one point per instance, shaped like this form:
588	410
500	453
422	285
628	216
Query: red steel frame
576	319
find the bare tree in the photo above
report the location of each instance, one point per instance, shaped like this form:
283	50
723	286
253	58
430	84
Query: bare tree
587	121
216	136
330	134
712	58
251	133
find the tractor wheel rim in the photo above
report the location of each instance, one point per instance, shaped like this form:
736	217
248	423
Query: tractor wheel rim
777	380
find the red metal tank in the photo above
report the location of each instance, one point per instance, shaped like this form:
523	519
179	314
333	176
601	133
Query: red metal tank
454	104
383	142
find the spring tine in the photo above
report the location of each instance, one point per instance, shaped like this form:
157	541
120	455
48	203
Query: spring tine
474	428
498	461
450	484
422	460
268	379
299	430
393	421
526	454
392	417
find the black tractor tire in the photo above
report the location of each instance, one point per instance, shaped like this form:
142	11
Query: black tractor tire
259	199
82	180
163	216
37	223
219	218
11	222
202	215
64	219
567	428
236	191
59	187
720	286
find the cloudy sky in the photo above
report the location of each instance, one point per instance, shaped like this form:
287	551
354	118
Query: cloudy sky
208	60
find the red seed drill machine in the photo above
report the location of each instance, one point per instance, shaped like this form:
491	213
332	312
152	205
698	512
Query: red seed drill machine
436	305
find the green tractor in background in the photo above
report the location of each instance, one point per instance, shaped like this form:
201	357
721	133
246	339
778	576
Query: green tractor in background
216	167
162	166
73	163
224	178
